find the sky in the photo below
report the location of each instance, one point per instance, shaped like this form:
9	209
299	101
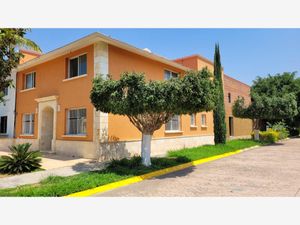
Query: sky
245	53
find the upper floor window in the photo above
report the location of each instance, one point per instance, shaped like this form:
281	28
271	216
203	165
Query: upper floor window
76	121
3	124
173	124
28	123
77	66
29	80
169	74
229	97
193	120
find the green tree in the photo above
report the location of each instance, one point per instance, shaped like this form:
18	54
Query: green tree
273	98
149	105
219	111
11	39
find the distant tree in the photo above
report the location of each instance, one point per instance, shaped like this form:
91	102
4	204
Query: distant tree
149	105
11	39
219	111
273	98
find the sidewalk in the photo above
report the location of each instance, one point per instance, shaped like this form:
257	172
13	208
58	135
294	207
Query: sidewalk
36	177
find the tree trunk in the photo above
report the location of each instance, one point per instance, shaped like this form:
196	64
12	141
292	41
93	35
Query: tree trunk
146	149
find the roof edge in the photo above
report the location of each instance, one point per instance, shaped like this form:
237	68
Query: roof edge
237	80
91	39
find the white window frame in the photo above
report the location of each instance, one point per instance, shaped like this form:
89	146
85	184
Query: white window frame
171	72
79	75
33	73
205	123
31	124
171	125
68	123
193	120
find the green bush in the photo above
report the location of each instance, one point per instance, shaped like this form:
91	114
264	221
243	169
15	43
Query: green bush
281	128
21	160
269	136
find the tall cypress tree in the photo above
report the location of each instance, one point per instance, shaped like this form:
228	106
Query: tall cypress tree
219	111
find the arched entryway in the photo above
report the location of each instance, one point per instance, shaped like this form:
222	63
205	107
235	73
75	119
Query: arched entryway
46	135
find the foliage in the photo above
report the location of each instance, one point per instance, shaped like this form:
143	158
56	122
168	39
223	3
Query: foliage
121	169
269	136
21	160
10	40
219	111
281	128
132	95
272	98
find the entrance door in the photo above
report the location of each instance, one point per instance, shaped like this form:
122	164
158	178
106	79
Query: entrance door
46	129
231	126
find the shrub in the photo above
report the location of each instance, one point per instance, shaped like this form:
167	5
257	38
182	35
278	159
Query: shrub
269	136
21	160
281	128
294	131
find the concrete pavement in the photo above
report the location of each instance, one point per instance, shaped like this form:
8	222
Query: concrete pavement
266	171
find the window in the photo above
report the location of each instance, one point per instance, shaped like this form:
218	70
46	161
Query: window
3	124
173	124
231	126
77	66
193	120
76	121
29	80
5	91
169	75
28	123
203	120
229	97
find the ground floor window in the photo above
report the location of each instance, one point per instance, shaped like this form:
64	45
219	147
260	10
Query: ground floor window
231	126
3	124
76	121
173	124
28	123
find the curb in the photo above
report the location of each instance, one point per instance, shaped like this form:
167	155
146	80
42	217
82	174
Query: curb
157	173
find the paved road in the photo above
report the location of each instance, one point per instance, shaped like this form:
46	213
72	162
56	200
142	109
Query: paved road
265	171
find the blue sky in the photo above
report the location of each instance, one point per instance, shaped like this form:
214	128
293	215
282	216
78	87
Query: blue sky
245	53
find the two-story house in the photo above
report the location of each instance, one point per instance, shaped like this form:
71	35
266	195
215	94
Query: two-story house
54	112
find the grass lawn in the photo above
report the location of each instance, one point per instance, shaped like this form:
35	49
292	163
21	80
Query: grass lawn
121	169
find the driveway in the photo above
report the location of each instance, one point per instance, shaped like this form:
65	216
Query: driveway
265	171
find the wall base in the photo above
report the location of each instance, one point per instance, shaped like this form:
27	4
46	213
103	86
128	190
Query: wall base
117	150
84	149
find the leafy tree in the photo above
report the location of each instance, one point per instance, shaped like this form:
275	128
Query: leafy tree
219	111
11	39
149	105
273	98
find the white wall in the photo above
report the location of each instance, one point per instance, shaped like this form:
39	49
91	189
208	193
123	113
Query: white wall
8	108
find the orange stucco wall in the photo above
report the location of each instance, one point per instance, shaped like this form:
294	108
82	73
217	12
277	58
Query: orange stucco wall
241	127
119	127
73	93
28	55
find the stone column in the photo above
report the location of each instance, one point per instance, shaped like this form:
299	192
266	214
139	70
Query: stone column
100	69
